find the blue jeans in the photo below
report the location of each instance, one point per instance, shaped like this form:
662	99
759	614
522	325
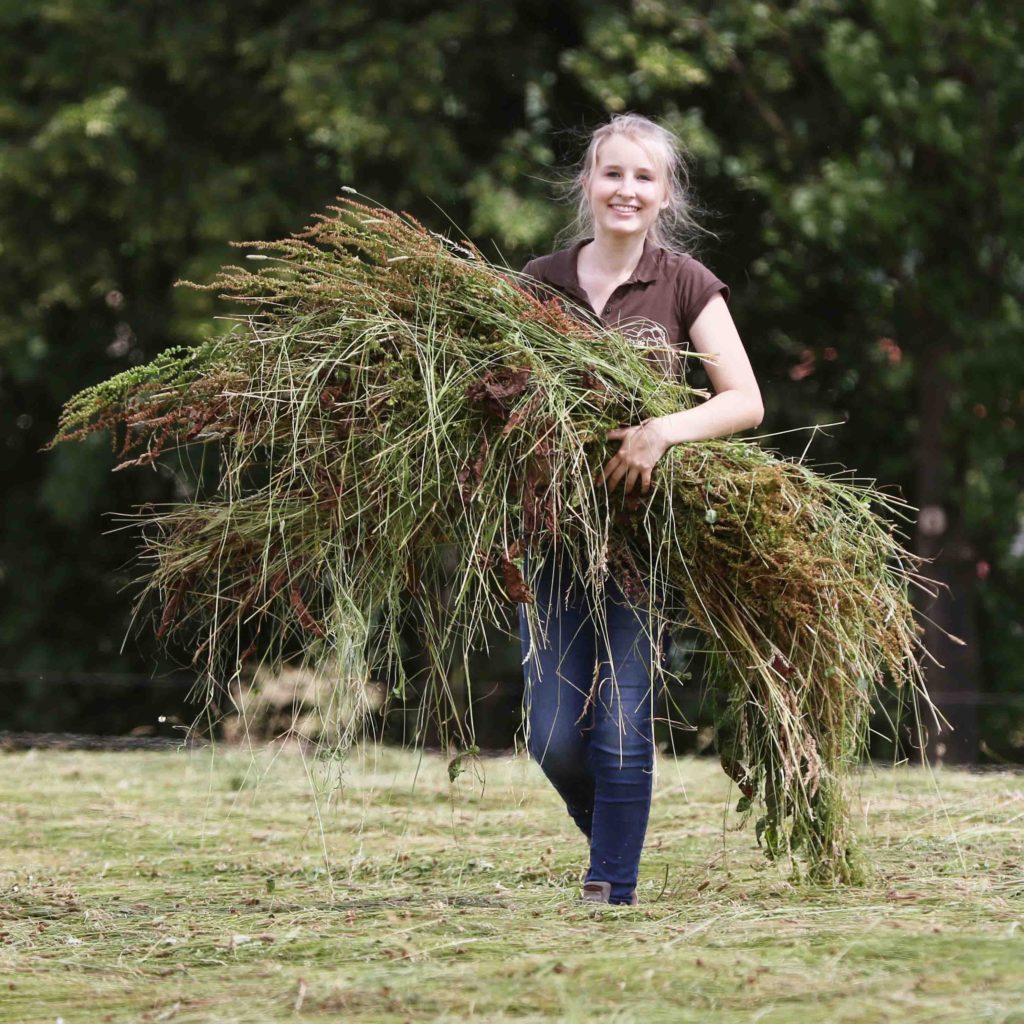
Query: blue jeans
594	744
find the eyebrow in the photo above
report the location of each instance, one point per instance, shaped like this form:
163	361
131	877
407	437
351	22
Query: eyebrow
618	167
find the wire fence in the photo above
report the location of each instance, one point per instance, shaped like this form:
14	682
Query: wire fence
122	680
11	741
178	686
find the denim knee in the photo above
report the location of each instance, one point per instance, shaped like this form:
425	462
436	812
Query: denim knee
629	748
623	732
559	750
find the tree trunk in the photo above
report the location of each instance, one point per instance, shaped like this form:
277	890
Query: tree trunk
953	683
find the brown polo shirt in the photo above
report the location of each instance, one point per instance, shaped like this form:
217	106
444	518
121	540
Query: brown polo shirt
658	303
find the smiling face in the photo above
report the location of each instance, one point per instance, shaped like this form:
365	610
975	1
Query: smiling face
626	190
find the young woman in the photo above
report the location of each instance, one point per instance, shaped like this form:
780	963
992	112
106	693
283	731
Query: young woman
589	696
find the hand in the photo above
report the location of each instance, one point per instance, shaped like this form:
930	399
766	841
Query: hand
637	456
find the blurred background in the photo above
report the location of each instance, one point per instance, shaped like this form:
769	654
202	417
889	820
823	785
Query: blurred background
858	163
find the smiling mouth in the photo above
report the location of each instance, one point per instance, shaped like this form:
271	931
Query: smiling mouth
626	209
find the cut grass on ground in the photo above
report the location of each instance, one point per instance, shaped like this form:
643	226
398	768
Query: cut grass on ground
230	887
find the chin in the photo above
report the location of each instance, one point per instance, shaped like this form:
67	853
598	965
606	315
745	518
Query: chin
621	228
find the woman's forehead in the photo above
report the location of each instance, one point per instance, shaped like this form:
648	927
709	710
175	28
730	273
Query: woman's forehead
619	150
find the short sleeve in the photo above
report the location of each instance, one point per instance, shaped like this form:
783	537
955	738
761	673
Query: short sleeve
528	272
697	286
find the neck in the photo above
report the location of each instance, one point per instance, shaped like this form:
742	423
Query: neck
614	255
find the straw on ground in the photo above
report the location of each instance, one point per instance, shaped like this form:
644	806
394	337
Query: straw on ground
176	886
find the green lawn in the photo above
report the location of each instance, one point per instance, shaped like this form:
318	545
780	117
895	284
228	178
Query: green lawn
188	886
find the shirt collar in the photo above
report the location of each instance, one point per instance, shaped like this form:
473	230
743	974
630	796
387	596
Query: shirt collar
561	270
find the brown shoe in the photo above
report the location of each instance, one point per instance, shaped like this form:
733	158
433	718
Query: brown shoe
596	892
600	892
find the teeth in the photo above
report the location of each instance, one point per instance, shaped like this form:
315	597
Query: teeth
631	209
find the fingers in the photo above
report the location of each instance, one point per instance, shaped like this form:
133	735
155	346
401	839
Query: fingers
623	466
634	478
614	472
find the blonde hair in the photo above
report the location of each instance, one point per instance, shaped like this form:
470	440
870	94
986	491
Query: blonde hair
676	228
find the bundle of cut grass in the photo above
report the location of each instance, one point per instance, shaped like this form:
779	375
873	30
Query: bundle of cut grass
393	407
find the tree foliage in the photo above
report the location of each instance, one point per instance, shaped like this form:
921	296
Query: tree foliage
860	161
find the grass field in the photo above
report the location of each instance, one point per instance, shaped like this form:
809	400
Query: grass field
190	886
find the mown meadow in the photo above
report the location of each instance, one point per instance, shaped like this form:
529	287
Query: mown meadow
264	885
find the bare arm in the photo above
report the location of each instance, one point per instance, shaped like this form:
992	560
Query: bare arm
735	405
